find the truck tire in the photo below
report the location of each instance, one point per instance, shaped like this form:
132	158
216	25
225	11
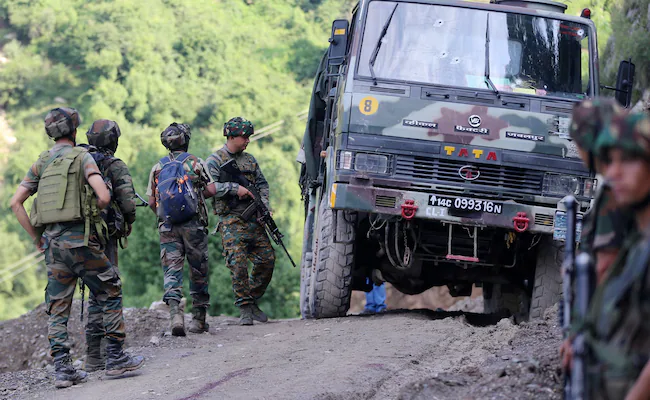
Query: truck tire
329	289
497	300
305	272
548	277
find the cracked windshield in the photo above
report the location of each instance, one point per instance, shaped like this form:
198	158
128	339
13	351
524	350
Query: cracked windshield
449	46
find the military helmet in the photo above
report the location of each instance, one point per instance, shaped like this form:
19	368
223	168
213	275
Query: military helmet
61	122
630	133
104	133
238	126
590	117
176	136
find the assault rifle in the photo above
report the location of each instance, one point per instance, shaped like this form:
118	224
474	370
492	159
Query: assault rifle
144	202
584	282
257	207
567	277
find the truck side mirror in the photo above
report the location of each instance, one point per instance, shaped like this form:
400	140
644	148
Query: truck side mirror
338	42
625	83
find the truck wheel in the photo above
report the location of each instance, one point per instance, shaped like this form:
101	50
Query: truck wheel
331	275
496	300
548	276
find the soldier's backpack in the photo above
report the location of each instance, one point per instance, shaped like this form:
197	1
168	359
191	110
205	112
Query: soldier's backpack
63	195
112	214
177	201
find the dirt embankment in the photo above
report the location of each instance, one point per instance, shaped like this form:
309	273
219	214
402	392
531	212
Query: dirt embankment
399	354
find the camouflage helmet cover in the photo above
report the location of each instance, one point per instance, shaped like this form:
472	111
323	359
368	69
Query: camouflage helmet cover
104	133
176	136
630	133
61	122
238	126
590	117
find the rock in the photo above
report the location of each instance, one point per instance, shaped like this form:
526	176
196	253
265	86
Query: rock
154	340
159	306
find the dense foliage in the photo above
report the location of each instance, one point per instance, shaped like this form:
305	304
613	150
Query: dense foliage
146	64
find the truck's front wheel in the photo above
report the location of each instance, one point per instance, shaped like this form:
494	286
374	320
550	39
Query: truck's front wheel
329	288
548	277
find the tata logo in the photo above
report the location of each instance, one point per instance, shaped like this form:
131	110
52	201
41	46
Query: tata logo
474	121
469	173
476	153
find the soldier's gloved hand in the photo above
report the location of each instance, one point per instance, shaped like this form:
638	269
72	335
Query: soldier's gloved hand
242	193
129	227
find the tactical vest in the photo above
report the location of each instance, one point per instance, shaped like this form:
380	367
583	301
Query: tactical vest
60	189
63	194
231	203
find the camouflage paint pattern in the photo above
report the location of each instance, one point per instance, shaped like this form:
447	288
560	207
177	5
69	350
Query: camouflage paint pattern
185	240
104	133
64	266
58	124
176	136
589	117
242	242
95	323
238	126
631	133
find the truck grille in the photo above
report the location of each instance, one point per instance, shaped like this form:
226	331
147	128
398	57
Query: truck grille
495	178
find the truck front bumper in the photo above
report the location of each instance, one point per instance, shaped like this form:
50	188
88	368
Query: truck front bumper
440	207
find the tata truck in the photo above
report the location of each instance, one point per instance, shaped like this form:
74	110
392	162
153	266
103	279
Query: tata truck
437	151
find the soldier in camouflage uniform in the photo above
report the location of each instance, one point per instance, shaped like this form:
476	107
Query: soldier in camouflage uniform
189	239
604	225
68	257
242	240
103	139
617	326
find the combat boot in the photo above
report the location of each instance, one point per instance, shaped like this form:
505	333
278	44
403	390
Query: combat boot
94	359
198	324
246	315
258	315
118	362
65	375
177	319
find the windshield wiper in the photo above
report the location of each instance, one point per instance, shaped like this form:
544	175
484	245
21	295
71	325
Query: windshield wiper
373	57
488	81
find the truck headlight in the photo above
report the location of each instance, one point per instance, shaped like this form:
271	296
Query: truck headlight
562	185
375	163
345	159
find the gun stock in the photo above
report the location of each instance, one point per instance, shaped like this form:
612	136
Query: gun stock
264	215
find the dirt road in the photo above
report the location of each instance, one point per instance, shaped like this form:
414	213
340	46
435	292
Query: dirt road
406	355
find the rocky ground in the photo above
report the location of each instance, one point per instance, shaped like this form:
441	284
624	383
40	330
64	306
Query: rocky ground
418	354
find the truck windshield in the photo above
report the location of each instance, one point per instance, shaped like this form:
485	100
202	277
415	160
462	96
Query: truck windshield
445	45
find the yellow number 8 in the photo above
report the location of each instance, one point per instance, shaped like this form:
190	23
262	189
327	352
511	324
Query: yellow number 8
368	105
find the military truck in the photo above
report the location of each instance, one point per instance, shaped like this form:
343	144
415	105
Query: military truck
437	151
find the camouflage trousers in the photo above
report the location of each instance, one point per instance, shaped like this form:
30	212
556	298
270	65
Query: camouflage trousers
64	266
185	240
95	324
244	241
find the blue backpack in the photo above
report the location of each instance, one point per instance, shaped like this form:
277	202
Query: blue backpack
177	201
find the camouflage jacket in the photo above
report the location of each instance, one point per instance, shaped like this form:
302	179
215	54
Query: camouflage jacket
605	226
117	173
69	235
200	179
618	323
226	191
